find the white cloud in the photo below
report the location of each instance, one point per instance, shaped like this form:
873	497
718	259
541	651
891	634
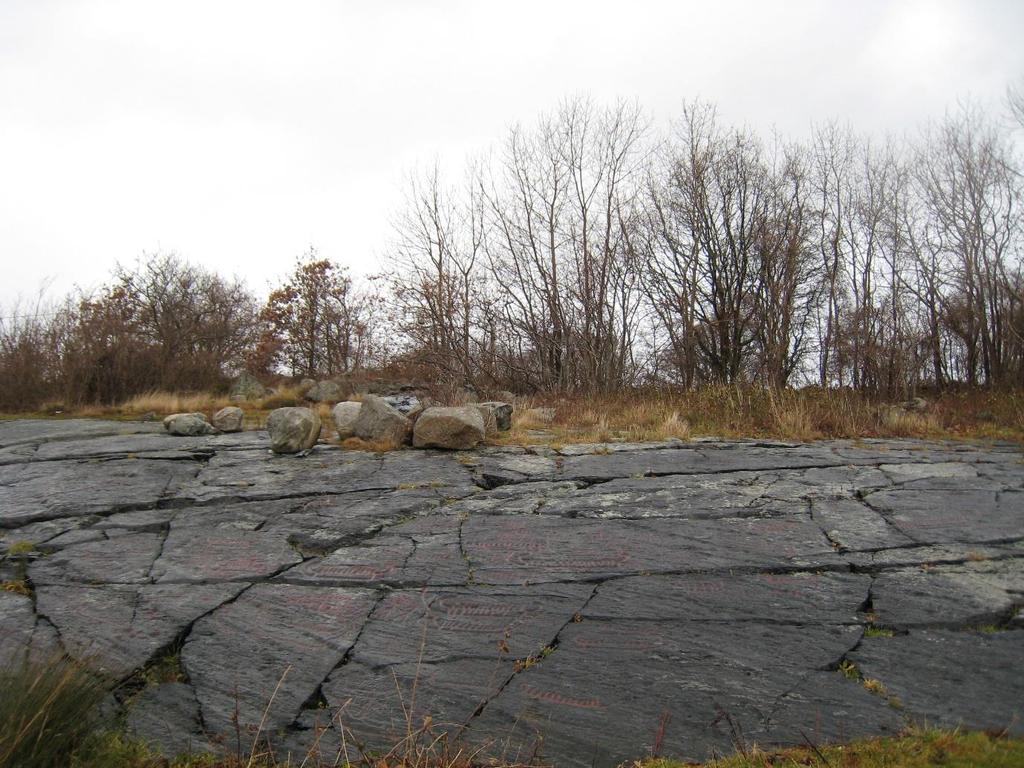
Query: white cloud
238	133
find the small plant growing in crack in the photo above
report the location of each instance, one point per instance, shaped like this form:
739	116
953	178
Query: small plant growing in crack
533	660
17	587
873	631
871	685
21	549
990	629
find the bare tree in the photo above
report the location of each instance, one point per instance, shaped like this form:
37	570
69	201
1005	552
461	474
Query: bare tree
562	205
971	197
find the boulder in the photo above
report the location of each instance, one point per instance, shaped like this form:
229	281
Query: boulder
502	414
404	404
915	404
229	419
293	430
344	416
379	422
490	423
456	428
188	424
325	391
247	387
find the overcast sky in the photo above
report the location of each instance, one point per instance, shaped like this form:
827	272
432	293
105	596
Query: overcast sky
237	134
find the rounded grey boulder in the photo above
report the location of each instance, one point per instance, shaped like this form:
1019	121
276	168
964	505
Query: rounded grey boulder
379	422
188	424
293	430
344	416
454	428
229	419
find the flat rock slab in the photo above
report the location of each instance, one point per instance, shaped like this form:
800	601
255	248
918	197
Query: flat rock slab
585	605
951	679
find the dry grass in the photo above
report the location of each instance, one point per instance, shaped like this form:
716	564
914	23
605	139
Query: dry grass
374	446
647	415
47	710
731	412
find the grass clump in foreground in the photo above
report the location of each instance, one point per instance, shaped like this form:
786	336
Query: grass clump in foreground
915	749
47	711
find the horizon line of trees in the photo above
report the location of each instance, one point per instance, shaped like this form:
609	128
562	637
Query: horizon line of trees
587	253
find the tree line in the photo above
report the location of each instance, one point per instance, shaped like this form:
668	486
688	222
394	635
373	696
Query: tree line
589	252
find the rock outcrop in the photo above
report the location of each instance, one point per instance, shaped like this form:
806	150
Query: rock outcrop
325	391
247	387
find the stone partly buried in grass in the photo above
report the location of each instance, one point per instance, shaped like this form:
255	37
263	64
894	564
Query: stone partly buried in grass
454	428
293	430
188	424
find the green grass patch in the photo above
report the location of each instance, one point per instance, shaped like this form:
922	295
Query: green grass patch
915	749
873	631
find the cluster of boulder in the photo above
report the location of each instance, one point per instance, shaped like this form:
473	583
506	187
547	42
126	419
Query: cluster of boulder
228	419
403	419
384	421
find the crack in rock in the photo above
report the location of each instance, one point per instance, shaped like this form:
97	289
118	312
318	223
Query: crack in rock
602	598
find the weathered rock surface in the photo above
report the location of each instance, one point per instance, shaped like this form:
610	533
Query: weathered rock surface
167	718
293	430
588	602
275	636
378	422
188	424
344	416
950	679
457	428
229	419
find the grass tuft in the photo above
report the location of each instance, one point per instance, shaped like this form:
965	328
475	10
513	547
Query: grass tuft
17	586
918	748
873	631
46	711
